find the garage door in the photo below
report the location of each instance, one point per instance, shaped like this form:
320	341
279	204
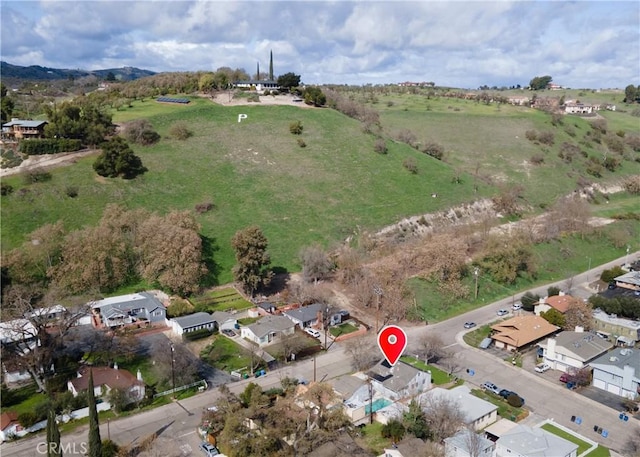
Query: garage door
600	384
613	389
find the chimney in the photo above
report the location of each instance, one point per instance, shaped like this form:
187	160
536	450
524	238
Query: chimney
139	375
551	348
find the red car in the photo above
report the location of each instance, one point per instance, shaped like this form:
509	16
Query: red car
565	377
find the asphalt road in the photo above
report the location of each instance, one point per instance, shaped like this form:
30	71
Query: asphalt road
545	398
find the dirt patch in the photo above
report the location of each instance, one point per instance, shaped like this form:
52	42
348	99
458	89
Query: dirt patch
226	100
47	161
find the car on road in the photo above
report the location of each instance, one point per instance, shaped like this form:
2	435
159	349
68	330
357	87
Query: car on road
502	312
228	332
313	332
209	449
516	306
491	387
504	393
469	324
542	367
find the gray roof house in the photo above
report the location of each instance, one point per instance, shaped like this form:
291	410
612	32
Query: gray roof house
399	381
191	323
622	331
467	443
629	280
573	350
128	309
224	320
268	329
534	442
618	372
306	316
478	413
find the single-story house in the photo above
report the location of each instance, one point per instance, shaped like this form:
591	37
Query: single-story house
257	84
128	309
53	314
408	447
559	302
105	379
618	372
306	316
400	381
521	331
191	323
622	331
629	280
478	413
578	108
575	350
9	425
268	329
224	320
467	443
522	440
19	129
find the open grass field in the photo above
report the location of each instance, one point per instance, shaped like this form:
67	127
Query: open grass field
254	172
226	299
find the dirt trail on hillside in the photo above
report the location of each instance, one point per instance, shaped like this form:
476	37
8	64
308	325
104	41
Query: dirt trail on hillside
47	161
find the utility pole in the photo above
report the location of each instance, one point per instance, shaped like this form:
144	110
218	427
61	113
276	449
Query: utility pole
378	291
626	259
476	271
325	327
173	371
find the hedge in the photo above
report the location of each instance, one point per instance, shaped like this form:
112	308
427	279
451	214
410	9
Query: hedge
197	334
49	146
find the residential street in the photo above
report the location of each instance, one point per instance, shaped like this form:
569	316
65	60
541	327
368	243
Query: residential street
545	398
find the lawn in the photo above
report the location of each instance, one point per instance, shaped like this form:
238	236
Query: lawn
438	376
371	438
600	451
225	299
23	399
343	329
300	341
226	355
505	410
582	445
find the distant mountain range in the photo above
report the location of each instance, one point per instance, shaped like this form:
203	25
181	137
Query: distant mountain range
36	72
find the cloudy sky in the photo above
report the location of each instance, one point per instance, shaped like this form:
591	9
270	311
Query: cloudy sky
581	44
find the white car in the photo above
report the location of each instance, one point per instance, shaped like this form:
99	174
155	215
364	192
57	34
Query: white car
517	306
313	332
542	367
502	312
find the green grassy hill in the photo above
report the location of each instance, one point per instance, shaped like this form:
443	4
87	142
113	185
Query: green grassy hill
255	173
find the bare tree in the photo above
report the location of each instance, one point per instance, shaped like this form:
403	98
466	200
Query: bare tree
444	416
451	363
475	443
173	361
431	347
363	352
579	314
316	263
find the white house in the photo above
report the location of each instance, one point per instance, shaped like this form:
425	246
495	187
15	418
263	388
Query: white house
128	309
399	381
9	425
268	329
306	316
573	350
191	323
618	372
526	441
105	379
467	443
478	413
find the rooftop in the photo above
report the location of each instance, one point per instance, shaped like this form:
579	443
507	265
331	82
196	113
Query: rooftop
559	302
535	442
522	330
271	324
395	378
619	358
105	376
633	278
473	407
582	346
193	320
305	313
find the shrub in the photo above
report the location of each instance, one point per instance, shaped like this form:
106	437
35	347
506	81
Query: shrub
254	98
380	146
39	146
433	149
515	400
594	169
411	165
633	141
568	151
611	163
407	136
140	131
36	175
202	208
631	185
569	130
301	143
179	131
636	112
547	138
296	128
600	125
612	273
531	135
6	189
71	191
552	291
537	159
529	301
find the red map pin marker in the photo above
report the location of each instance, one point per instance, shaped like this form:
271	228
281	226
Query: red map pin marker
392	342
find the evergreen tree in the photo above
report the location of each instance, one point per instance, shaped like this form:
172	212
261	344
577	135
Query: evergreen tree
53	435
95	444
252	258
270	65
118	160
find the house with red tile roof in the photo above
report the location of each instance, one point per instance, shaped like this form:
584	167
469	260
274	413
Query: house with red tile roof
105	379
559	302
9	425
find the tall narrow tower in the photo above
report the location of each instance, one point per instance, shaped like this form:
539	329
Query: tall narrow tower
258	71
270	65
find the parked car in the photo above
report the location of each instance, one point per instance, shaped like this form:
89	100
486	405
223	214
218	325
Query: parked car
469	324
229	332
517	306
313	332
542	367
491	387
565	377
502	312
504	393
209	449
